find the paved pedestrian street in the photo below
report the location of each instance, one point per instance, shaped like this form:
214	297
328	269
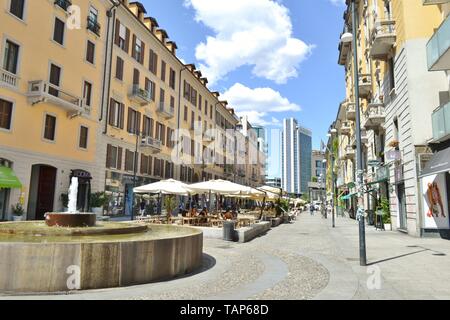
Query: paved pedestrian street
305	260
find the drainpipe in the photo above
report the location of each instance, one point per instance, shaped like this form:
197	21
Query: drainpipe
111	13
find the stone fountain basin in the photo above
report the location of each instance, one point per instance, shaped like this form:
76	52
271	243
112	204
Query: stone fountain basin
35	258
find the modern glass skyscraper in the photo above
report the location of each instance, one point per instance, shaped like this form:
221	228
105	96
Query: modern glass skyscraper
296	157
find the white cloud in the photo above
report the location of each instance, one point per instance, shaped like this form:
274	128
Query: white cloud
256	33
338	2
258	104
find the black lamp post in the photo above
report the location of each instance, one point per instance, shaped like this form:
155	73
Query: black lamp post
346	38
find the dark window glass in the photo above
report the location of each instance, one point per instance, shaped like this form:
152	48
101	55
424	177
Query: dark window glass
90	52
11	57
50	127
5	114
87	93
58	33
119	68
17	8
84	137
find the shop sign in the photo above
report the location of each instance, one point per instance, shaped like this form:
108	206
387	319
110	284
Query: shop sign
435	204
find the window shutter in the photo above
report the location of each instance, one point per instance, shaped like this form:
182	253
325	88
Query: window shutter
129	124
150	165
127	40
138	122
143	164
142	53
119	158
163	134
108	156
152	124
117	35
136	77
112	109
122	115
133	46
168	137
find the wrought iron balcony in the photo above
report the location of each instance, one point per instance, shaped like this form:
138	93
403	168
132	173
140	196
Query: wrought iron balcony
63	4
140	95
166	111
365	85
8	79
382	38
438	48
374	117
93	25
41	91
441	123
151	144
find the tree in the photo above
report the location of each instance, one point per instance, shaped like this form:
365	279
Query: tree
314	179
305	197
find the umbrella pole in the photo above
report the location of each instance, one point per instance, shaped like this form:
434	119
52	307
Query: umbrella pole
159	203
262	208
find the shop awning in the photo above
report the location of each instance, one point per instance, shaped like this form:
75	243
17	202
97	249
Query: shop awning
8	179
439	163
349	196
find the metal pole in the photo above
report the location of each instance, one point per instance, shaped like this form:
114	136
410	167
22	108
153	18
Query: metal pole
332	188
360	212
134	172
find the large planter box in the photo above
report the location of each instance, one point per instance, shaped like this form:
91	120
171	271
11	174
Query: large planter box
18	218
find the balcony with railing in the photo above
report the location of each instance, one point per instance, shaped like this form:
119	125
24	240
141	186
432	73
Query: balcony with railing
63	4
139	95
42	91
93	25
382	38
438	48
351	111
375	116
165	111
208	136
8	79
441	123
365	85
346	128
151	144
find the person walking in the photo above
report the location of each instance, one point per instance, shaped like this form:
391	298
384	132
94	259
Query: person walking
311	209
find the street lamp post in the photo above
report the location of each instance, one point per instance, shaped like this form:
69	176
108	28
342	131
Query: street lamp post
333	131
347	37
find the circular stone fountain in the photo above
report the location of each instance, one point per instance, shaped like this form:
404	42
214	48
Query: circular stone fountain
35	258
49	256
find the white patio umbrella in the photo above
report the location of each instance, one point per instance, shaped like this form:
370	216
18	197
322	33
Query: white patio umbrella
221	187
166	187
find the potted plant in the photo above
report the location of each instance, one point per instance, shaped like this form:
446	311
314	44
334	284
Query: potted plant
385	208
394	144
18	212
65	201
169	204
98	201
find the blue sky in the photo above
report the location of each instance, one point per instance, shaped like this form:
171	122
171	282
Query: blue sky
286	73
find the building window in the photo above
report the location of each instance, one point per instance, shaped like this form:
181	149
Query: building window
84	131
90	52
134	119
153	64
119	69
172	78
211	111
130	160
148	127
116	114
150	86
17	8
206	108
55	79
11	57
138	53
6	108
114	157
162	98
58	32
185	113
87	93
163	71
122	37
50	127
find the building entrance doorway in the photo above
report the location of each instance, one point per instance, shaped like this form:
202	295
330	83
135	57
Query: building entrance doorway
42	191
402	212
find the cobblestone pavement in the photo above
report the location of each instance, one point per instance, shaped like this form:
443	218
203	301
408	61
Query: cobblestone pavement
305	260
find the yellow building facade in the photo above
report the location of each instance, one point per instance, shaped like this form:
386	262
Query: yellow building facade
51	78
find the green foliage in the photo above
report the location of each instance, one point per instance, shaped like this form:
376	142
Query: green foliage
65	200
284	204
99	200
305	197
169	204
314	179
18	210
385	207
